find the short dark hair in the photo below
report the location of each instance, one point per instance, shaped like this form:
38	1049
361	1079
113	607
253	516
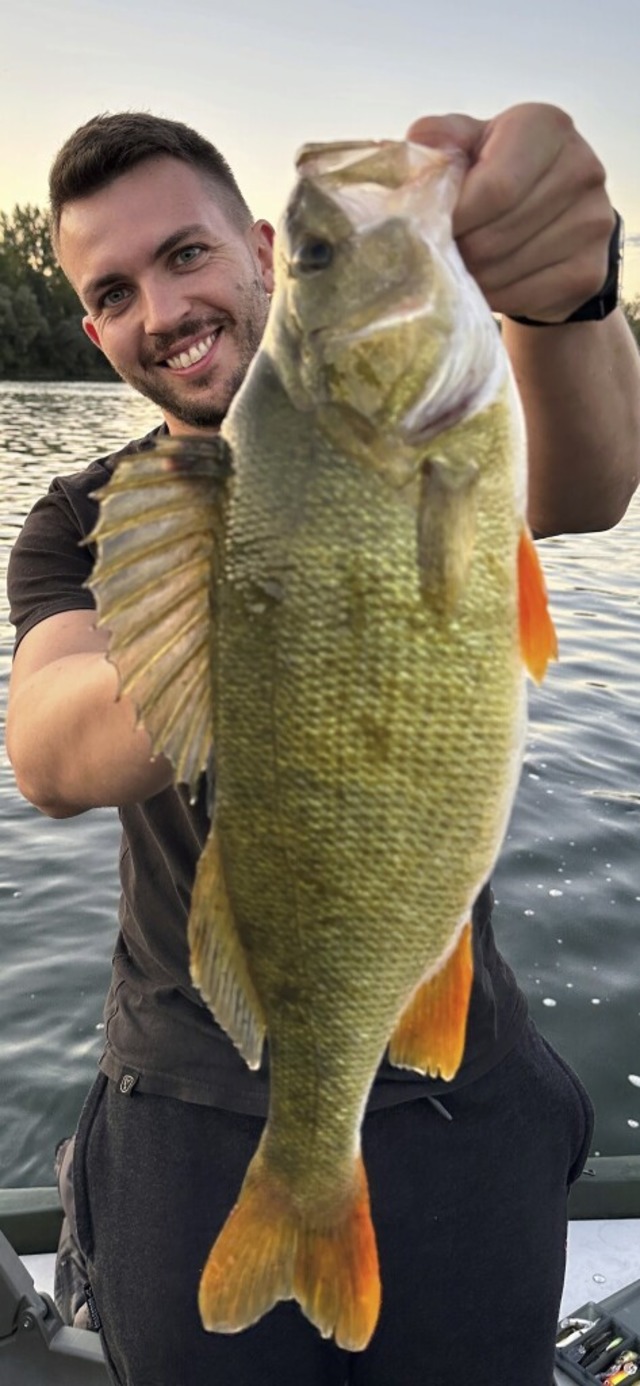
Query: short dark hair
109	145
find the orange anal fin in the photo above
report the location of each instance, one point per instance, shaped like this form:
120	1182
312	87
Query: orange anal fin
538	640
269	1249
430	1035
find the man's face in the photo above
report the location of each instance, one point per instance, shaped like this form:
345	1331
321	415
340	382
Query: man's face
176	295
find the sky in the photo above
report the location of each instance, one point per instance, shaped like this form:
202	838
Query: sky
260	79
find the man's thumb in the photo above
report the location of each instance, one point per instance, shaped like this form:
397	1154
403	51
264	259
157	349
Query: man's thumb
445	132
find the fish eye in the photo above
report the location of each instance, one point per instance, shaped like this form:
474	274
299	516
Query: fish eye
312	254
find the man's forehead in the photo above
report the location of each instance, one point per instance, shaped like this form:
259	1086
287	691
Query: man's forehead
157	195
138	217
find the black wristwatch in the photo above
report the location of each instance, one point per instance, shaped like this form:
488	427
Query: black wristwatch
599	307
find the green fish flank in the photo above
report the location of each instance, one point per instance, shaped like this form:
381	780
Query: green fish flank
347	614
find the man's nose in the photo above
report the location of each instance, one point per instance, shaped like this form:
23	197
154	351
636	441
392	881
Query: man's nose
163	306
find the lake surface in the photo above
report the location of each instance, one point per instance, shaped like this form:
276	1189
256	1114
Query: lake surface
568	884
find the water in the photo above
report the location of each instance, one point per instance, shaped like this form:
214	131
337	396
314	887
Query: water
568	884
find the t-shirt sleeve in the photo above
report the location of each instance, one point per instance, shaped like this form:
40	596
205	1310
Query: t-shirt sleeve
49	565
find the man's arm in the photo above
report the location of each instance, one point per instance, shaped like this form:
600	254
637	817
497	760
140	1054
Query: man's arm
580	388
71	744
533	224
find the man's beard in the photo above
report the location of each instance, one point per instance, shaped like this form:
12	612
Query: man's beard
208	412
194	413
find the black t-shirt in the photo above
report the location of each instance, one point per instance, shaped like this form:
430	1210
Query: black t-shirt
156	1025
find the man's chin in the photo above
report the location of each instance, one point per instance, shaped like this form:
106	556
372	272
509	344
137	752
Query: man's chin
205	408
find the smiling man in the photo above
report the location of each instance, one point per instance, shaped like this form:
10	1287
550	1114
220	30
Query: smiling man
175	278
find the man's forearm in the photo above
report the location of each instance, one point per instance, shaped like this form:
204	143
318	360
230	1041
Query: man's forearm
580	387
73	746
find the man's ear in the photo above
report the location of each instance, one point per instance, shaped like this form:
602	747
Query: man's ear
91	330
262	234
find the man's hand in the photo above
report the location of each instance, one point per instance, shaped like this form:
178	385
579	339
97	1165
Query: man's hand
73	744
533	221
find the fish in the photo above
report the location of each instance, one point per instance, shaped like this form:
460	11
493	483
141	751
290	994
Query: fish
336	600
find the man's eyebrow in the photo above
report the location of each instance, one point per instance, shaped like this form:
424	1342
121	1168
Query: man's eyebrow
184	233
95	286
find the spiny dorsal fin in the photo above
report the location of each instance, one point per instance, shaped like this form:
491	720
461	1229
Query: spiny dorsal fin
159	538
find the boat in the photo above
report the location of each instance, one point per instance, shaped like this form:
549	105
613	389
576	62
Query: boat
38	1349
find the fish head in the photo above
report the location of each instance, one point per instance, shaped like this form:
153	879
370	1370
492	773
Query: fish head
374	314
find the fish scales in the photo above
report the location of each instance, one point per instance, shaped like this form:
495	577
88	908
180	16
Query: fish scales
353	717
364	689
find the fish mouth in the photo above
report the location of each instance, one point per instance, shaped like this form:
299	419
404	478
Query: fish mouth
194	354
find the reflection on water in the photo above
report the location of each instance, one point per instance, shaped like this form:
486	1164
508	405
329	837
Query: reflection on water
568	883
58	880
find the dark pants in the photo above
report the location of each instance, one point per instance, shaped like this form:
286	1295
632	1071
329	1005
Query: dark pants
470	1218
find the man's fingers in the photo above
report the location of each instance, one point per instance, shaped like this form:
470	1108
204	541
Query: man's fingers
441	132
519	152
552	212
550	275
508	156
532	220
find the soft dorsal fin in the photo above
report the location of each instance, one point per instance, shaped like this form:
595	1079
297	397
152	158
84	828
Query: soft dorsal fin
219	964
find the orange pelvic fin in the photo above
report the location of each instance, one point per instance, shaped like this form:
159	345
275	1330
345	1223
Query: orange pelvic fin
431	1032
538	640
270	1249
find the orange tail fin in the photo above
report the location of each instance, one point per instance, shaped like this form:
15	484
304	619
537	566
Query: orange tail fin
538	640
270	1249
431	1031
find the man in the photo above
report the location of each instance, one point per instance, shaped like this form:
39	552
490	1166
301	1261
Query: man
470	1212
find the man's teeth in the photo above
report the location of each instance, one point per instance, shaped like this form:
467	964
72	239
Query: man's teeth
195	353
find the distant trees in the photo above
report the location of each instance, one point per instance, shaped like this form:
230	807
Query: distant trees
41	337
632	314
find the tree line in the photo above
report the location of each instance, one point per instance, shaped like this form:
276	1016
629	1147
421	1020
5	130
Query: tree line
41	337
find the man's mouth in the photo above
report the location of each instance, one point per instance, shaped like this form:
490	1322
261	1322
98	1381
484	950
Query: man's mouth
194	354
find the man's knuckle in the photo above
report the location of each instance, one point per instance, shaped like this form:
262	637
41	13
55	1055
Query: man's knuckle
562	120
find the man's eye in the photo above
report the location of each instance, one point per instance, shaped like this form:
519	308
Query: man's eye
188	254
113	298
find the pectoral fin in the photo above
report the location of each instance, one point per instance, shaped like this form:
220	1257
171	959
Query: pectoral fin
431	1032
219	966
447	516
159	542
538	640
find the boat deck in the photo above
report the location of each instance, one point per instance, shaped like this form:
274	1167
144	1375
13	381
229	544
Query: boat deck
603	1256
